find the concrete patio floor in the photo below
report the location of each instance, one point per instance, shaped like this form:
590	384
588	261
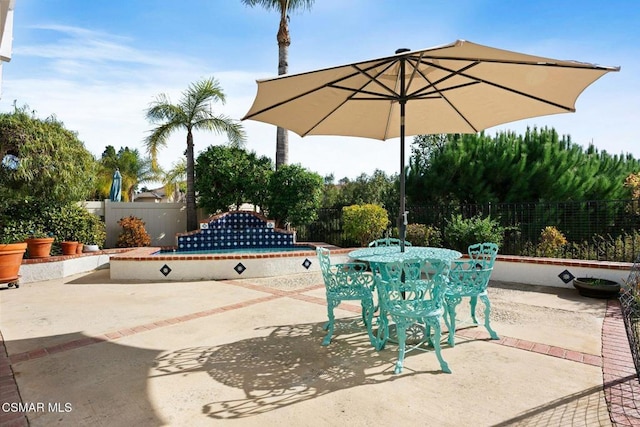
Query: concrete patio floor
86	350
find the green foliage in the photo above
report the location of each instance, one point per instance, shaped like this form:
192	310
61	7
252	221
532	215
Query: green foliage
423	235
537	166
461	232
23	218
134	170
74	223
552	241
52	163
378	189
294	195
15	230
66	221
364	223
231	176
133	233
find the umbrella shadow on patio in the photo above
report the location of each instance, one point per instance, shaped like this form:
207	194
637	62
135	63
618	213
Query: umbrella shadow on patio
95	379
286	367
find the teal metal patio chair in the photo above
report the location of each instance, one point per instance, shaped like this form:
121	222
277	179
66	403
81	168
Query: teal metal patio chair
410	293
484	254
346	282
470	278
388	241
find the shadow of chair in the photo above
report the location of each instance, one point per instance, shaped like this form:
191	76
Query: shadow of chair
346	282
410	293
470	278
388	241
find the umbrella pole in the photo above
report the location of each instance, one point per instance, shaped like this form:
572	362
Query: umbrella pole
402	218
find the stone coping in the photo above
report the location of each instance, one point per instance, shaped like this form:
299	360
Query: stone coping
59	258
147	254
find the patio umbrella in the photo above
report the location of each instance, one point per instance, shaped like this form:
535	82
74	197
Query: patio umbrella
116	187
461	87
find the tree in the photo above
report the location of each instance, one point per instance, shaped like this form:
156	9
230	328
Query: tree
536	166
134	169
283	7
295	195
192	112
231	176
42	161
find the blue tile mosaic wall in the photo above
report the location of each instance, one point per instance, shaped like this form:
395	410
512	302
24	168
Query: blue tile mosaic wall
236	230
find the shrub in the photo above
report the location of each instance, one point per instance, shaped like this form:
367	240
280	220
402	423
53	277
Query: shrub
133	233
364	223
552	242
422	235
461	232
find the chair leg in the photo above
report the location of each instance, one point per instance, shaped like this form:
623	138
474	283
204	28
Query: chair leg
367	317
487	315
402	338
450	318
473	303
436	346
383	332
331	304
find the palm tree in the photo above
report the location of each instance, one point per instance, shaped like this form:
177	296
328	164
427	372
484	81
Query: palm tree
192	112
284	40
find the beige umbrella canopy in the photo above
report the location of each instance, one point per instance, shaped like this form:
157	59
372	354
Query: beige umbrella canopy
461	87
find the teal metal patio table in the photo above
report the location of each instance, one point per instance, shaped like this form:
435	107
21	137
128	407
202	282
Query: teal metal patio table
387	254
410	285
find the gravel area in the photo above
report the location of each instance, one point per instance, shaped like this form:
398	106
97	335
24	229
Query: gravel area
292	282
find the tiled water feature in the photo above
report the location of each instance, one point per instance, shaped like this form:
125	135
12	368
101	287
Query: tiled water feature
236	230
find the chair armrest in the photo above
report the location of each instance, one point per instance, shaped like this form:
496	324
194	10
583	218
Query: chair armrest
351	266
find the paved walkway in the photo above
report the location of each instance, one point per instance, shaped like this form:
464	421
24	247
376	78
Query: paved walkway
87	351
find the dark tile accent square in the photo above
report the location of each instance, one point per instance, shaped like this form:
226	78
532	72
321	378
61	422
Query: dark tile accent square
240	268
165	270
306	264
566	276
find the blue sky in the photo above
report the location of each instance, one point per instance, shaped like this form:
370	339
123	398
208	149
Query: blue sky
97	64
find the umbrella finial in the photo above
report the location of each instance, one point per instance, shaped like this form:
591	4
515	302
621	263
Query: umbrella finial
402	50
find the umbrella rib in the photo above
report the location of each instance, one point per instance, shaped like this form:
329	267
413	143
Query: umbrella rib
374	95
432	85
568	64
418	93
353	92
508	89
329	84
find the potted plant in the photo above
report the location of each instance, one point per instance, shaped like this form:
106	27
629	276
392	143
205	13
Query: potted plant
596	288
39	241
12	249
92	233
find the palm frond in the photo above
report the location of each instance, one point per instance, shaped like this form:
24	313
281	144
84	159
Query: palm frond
158	139
224	125
280	5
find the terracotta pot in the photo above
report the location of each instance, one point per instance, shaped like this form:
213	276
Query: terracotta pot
69	248
10	261
79	248
39	247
